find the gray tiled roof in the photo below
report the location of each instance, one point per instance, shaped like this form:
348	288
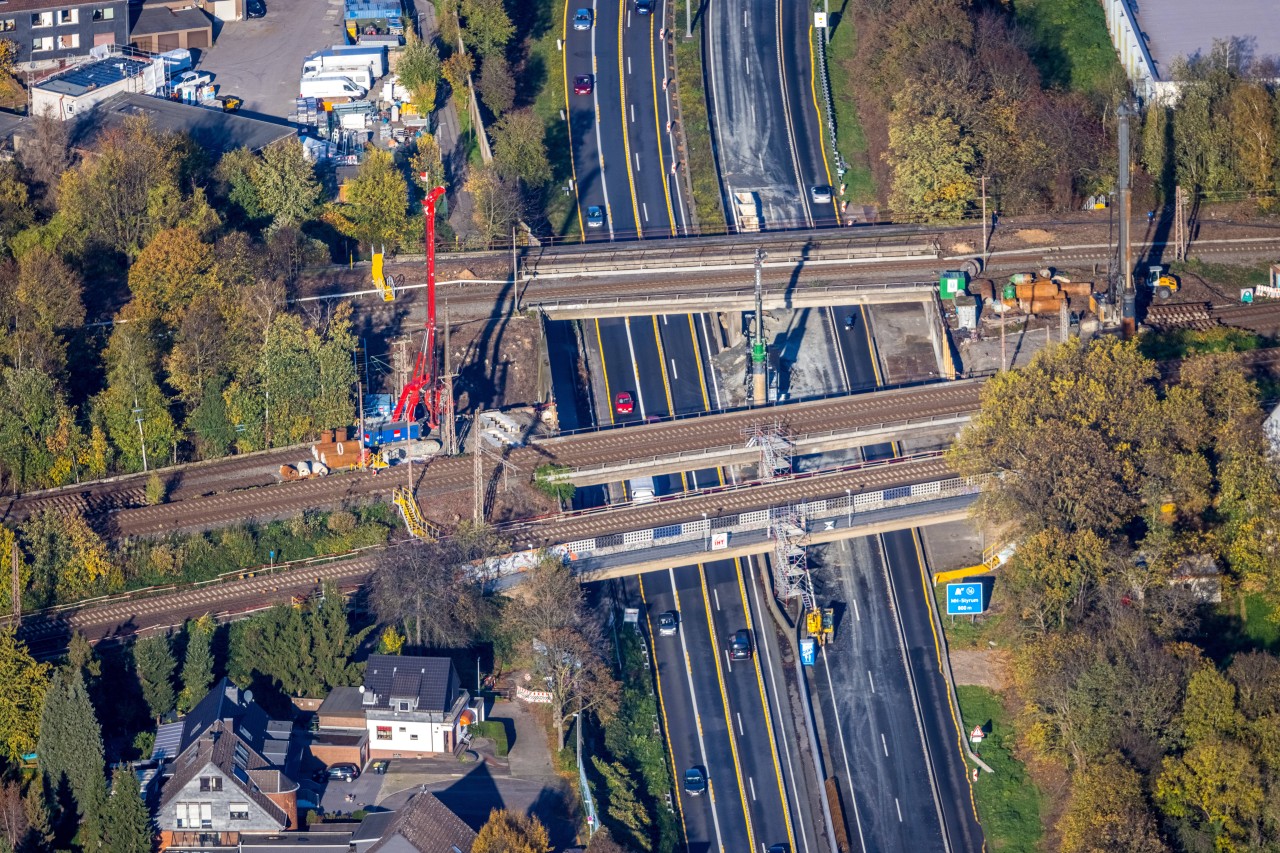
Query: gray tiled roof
432	680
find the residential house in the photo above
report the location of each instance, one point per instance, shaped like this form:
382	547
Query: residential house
46	31
424	825
407	706
226	769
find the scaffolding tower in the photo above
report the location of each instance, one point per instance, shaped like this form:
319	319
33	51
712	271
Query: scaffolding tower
773	440
790	534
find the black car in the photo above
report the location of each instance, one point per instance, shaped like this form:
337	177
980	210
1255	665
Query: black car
695	782
740	646
343	772
255	9
644	7
848	322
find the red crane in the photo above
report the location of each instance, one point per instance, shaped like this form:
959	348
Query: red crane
424	384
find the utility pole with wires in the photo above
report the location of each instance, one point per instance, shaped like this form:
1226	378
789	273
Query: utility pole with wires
477	472
986	239
16	594
448	415
1180	226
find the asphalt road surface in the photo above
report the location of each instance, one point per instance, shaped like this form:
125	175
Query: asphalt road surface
875	745
590	183
763	113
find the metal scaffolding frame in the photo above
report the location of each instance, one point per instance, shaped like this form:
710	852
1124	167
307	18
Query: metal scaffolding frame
773	440
790	533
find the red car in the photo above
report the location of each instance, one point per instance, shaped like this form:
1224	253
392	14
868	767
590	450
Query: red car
623	404
582	84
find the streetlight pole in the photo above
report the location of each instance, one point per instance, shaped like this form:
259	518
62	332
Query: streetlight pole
706	532
142	441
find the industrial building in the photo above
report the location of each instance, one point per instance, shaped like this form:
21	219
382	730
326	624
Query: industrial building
74	92
1152	35
46	31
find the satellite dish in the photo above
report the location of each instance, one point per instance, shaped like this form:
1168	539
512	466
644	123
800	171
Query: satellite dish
361	688
248	696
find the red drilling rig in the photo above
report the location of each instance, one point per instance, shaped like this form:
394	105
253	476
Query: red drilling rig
425	383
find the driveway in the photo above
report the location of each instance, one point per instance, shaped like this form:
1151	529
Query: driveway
260	59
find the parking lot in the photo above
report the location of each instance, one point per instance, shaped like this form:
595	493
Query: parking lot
260	59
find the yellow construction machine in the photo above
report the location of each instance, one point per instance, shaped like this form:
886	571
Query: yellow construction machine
821	624
1162	285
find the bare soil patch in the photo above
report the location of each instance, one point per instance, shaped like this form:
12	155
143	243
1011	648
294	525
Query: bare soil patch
981	667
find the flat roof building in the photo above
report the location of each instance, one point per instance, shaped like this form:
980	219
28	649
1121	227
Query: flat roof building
1152	35
75	91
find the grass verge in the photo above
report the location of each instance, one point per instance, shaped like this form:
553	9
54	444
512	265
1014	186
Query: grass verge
495	731
1234	276
965	632
1007	800
545	64
860	187
707	210
1070	44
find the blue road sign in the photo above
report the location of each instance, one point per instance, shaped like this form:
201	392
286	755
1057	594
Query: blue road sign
808	651
965	599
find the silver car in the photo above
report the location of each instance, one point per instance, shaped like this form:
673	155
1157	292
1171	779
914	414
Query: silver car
667	622
821	194
582	19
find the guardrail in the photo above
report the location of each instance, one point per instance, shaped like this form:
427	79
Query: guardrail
847	505
739	449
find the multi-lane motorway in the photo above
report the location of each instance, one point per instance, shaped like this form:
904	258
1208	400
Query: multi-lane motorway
619	122
720	714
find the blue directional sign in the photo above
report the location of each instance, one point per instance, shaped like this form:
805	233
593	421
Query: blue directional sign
966	599
808	652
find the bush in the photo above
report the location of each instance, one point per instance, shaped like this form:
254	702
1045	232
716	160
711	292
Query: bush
156	491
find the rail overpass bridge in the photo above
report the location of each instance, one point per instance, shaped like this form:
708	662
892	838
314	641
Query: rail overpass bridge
859	500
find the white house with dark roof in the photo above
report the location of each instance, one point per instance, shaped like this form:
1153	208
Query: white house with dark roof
225	770
408	706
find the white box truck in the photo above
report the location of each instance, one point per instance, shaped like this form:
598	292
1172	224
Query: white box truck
360	76
337	59
329	86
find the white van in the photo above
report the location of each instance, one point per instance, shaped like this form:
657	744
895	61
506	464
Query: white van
362	77
642	491
329	86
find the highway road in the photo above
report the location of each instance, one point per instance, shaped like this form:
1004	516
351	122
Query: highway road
763	109
874	742
622	147
718	713
890	575
644	124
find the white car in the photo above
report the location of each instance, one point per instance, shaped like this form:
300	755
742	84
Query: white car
191	80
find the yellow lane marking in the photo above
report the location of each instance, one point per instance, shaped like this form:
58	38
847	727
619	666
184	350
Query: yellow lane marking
764	704
568	114
728	718
604	368
822	137
662	708
662	163
626	136
697	357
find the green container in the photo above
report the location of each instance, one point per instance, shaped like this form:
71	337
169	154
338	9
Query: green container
952	284
1010	291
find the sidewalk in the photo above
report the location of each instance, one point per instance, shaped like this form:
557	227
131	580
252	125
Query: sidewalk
530	754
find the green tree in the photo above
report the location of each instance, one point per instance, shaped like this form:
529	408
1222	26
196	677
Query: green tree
132	363
508	832
1108	812
1209	709
286	185
16	212
22	700
130	190
486	26
1251	111
154	664
237	170
497	85
625	811
197	663
519	150
496	205
1050	577
332	641
69	561
46	302
1214	789
1073	402
420	70
35	804
171	270
70	752
39	438
82	655
456	69
377	200
933	166
427	160
127	822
